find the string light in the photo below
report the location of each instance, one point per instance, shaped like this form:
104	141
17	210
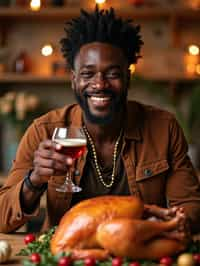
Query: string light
100	1
47	50
193	49
132	68
35	5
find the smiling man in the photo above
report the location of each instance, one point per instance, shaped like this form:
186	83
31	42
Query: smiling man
100	81
132	149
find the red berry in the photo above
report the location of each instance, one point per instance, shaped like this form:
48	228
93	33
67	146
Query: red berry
117	261
166	261
89	262
29	238
197	258
64	261
134	263
35	258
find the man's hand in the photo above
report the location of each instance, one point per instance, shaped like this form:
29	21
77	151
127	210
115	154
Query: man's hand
49	161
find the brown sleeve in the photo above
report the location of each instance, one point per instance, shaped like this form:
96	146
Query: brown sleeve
11	215
183	187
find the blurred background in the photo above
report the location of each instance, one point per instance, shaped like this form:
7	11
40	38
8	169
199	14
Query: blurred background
34	77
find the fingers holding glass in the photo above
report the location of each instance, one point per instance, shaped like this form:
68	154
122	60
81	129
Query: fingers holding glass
72	142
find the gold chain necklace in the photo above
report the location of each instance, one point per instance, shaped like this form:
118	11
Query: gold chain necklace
96	161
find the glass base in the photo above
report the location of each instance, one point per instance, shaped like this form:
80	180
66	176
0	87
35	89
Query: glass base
68	188
76	189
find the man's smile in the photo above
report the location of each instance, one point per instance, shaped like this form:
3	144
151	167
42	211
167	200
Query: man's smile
100	101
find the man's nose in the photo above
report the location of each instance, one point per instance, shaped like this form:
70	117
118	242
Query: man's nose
99	81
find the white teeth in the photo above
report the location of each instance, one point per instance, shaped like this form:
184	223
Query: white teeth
100	98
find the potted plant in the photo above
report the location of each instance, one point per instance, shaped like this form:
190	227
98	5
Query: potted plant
17	111
187	110
190	122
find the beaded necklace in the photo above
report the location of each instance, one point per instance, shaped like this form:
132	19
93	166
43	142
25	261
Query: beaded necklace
94	154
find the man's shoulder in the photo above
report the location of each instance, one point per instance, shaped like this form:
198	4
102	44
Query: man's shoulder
56	116
151	112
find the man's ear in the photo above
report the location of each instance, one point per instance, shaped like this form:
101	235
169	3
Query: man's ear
72	78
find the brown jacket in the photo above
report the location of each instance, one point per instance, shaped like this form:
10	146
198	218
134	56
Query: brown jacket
154	156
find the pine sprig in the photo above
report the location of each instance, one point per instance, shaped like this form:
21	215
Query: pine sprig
42	247
194	247
47	259
38	246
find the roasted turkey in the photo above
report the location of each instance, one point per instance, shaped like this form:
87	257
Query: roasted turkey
114	225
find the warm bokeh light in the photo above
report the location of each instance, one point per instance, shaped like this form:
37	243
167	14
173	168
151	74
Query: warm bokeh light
198	69
132	68
35	5
193	49
47	50
191	68
194	4
100	1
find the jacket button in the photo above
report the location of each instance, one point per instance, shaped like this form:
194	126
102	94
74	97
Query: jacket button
148	172
77	172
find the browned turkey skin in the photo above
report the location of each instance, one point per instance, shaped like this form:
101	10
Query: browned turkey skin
114	225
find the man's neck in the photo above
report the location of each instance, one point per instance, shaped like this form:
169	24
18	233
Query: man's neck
104	133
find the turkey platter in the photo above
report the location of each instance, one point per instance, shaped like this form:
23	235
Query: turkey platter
114	225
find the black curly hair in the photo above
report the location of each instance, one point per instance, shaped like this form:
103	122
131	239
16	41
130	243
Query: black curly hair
101	26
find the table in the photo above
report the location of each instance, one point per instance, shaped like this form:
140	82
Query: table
17	243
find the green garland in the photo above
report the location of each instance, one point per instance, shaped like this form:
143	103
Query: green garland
48	259
38	246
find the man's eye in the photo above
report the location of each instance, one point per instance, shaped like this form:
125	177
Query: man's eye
113	75
87	74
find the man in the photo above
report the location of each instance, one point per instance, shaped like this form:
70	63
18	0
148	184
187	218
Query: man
132	148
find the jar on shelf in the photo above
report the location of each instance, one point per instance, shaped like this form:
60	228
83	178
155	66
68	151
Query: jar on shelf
4	54
59	68
136	2
22	63
57	2
20	2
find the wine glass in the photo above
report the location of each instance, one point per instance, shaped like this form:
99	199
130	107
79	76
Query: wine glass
73	143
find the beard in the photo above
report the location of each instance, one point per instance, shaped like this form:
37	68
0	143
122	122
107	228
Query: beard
117	106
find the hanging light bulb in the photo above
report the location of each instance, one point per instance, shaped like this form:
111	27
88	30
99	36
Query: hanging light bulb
193	49
100	1
47	50
35	5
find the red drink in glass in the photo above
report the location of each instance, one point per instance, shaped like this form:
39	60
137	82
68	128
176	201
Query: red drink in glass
73	147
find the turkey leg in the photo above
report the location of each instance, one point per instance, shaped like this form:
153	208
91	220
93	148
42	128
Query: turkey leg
139	238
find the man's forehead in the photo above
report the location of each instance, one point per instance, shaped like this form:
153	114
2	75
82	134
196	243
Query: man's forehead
93	53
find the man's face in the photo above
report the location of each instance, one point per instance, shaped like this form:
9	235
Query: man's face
100	81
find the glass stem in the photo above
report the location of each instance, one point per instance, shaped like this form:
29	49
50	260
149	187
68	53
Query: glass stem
68	179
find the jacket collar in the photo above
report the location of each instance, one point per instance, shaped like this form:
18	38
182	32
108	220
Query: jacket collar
74	114
133	122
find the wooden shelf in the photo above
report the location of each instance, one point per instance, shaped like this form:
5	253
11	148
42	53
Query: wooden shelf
10	78
172	78
19	13
174	14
